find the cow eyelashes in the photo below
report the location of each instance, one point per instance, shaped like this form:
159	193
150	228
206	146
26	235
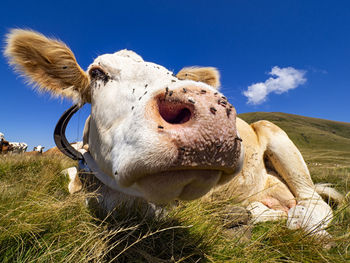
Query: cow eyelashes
97	73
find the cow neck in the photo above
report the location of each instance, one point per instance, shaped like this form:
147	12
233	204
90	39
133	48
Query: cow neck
88	164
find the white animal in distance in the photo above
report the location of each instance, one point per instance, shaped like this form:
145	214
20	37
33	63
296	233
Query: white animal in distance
38	148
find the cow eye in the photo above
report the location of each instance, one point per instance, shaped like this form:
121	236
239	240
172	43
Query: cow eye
97	73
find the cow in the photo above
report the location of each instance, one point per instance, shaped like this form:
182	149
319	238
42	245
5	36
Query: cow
11	147
39	149
158	137
2	140
5	146
18	147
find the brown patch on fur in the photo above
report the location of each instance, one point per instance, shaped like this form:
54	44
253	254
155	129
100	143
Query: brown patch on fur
47	62
5	147
208	75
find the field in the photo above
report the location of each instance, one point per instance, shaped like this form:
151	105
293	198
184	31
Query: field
41	222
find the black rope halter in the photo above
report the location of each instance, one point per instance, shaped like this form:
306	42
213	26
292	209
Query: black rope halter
60	134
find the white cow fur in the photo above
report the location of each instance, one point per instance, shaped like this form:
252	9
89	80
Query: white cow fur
124	146
18	147
38	148
118	129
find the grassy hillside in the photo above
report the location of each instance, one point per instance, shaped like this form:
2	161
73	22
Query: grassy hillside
41	222
306	132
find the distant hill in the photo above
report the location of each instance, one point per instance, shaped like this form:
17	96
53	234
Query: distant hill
308	133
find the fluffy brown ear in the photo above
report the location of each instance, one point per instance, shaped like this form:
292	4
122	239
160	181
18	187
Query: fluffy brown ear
208	75
47	62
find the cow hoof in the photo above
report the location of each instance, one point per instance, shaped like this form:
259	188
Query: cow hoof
311	218
312	222
75	184
262	213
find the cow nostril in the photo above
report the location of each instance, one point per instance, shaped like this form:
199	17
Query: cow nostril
174	112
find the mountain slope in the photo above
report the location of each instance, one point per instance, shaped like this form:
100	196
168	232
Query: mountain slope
306	132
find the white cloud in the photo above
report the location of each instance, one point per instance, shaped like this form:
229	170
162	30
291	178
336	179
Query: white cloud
282	80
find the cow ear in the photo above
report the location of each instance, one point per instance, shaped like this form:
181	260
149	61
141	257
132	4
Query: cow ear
208	75
49	63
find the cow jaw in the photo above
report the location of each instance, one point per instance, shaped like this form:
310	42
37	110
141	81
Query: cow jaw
166	186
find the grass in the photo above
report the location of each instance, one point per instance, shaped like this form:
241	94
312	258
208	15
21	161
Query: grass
308	133
41	222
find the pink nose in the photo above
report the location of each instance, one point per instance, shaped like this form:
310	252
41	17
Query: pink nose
200	123
175	111
194	106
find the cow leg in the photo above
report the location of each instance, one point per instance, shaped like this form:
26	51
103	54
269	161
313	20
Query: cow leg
261	213
277	195
75	184
273	203
290	165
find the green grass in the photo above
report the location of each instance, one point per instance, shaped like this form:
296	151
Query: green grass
41	222
308	133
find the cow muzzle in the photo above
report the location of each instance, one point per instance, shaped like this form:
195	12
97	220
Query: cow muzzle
197	126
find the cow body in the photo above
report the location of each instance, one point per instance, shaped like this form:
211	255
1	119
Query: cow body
275	182
11	147
18	147
37	151
157	137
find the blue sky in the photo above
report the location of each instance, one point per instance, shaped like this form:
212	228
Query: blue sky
245	40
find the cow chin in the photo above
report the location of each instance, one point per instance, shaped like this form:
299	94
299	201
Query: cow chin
163	187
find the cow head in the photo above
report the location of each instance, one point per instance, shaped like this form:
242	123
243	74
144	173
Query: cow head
38	148
163	136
